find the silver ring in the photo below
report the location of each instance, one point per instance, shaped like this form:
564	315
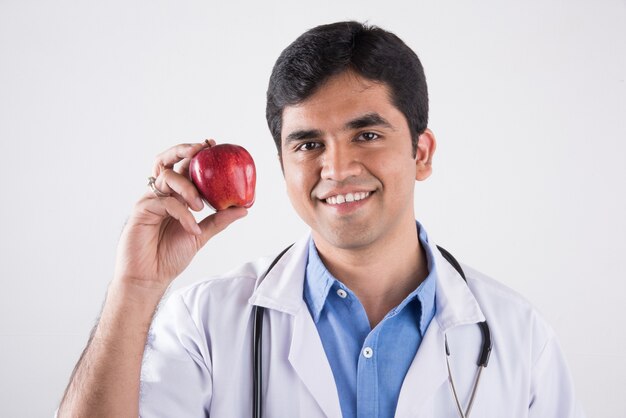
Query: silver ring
157	192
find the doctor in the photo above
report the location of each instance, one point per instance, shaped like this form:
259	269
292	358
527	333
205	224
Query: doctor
363	318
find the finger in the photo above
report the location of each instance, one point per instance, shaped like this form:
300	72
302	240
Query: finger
172	182
171	206
168	158
183	167
217	222
184	164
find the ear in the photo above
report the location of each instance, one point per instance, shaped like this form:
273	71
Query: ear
426	145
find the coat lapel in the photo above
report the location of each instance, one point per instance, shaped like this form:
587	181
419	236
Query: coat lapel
455	306
307	356
426	375
282	290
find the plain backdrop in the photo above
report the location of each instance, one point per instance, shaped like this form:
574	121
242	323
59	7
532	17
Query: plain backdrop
528	102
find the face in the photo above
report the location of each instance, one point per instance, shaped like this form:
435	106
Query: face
348	164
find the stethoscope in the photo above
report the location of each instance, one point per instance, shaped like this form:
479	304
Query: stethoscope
257	384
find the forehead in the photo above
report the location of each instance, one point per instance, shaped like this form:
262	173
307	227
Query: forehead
342	98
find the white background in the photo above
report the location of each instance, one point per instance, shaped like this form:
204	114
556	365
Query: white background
528	102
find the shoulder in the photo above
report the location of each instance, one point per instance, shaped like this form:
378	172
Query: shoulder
235	286
494	294
224	296
510	314
526	346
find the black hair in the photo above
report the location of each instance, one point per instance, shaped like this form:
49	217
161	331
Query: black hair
328	50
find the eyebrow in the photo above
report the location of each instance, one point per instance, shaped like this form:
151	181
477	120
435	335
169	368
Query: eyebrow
365	121
304	134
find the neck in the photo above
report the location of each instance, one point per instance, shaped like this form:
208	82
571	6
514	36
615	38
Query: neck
381	274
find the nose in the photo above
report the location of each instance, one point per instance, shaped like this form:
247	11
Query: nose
340	163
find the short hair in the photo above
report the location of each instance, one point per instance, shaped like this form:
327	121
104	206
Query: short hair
331	49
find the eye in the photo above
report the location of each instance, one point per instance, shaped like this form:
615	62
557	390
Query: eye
368	136
308	146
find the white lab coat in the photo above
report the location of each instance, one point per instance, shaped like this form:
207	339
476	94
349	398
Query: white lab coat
198	359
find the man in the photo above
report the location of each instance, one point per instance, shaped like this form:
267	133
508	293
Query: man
363	318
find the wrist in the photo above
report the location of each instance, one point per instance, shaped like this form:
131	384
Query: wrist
136	291
129	307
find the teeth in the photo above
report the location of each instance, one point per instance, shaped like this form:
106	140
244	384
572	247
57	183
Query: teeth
349	197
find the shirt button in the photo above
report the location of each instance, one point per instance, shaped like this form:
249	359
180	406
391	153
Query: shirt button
368	352
342	293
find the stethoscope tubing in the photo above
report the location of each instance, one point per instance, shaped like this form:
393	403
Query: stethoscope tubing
257	336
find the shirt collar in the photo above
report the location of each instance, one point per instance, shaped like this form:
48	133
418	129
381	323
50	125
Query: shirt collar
319	281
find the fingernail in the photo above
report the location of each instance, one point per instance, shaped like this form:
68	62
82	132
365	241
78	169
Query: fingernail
197	229
199	203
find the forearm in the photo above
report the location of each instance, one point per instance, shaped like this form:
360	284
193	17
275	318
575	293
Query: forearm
106	379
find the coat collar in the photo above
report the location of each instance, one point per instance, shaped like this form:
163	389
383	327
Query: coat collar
282	288
455	303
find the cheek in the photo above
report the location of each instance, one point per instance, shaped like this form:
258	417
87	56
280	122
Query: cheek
394	167
296	182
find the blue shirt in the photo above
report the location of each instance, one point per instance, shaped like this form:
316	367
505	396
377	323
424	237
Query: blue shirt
369	365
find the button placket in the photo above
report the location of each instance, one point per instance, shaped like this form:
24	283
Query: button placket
367	378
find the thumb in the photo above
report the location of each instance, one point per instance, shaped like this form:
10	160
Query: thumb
217	222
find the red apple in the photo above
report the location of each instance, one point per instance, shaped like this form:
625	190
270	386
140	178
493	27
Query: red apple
224	175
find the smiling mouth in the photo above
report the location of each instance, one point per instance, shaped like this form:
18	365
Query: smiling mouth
347	198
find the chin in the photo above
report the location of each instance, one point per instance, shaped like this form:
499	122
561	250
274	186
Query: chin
347	240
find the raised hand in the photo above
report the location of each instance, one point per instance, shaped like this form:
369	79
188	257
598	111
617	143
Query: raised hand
161	236
159	240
